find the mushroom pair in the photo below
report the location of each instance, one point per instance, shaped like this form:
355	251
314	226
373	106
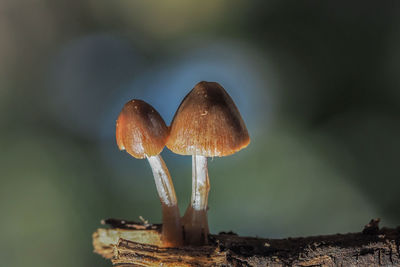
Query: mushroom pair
206	124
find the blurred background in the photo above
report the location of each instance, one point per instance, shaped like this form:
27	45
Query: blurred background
317	84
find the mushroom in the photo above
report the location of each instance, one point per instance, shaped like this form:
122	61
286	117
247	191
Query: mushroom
142	132
206	124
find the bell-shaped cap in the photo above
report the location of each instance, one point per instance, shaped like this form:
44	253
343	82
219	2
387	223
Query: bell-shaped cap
141	130
207	123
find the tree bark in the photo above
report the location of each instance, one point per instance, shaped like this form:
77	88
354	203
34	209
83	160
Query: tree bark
135	244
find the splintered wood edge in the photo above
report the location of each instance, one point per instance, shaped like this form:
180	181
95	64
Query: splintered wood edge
128	253
105	240
143	247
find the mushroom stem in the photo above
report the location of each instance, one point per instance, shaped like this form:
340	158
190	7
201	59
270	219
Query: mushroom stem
195	221
172	228
200	182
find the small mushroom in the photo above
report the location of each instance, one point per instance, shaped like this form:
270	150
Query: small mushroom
206	124
142	132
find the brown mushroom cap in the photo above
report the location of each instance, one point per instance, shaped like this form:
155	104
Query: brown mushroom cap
140	130
207	123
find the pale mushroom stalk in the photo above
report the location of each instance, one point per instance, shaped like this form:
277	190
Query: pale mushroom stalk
171	229
163	180
195	219
200	183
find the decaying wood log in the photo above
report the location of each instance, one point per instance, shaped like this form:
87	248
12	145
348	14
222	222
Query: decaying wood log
135	244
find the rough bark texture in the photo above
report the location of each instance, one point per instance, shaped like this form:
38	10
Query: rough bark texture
133	244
